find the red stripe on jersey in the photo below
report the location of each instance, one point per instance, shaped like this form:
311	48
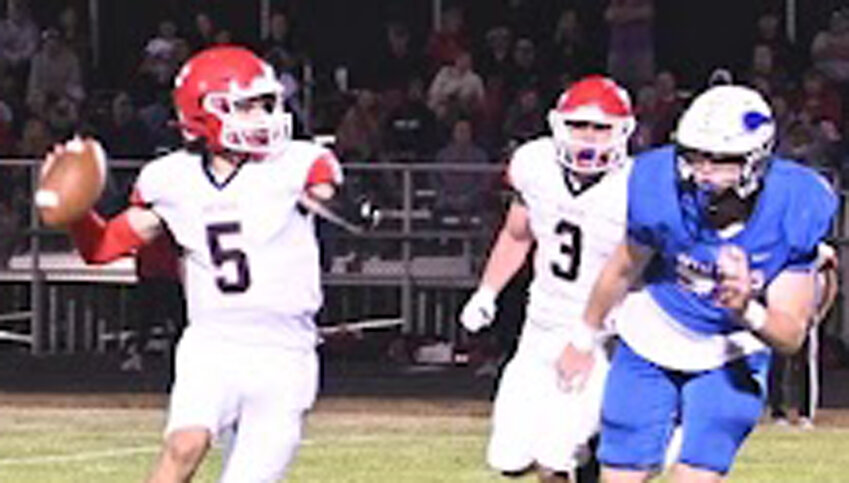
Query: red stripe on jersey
325	169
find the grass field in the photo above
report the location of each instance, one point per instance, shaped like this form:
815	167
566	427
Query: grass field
363	442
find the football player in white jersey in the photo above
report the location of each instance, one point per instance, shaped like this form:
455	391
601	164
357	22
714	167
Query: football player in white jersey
246	364
571	202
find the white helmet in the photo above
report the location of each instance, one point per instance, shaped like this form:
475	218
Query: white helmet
727	121
599	100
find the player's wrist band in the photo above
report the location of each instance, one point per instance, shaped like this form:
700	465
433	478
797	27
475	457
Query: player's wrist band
754	316
585	338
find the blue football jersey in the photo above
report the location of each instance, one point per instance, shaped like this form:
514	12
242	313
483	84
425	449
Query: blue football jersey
792	214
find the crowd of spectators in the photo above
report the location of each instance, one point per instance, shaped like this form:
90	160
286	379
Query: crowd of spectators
419	96
466	92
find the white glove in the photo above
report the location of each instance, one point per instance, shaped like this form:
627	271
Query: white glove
479	311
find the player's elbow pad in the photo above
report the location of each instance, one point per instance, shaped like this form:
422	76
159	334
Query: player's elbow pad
102	241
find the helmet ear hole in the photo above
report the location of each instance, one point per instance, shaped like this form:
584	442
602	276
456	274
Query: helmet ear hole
225	107
216	104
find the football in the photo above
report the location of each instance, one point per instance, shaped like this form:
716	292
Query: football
72	180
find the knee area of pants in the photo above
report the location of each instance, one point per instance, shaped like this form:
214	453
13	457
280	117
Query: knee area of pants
548	475
714	453
284	443
516	474
720	468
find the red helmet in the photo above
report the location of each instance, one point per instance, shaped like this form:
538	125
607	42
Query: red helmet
208	90
596	100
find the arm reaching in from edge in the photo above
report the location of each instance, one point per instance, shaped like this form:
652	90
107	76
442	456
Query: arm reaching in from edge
335	205
507	256
828	280
326	196
791	304
620	271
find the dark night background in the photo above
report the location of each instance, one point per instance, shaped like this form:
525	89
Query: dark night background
691	37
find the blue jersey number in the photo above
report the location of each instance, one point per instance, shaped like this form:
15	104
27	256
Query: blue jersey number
220	256
570	249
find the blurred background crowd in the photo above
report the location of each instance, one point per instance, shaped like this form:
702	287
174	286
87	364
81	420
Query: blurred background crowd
425	80
442	82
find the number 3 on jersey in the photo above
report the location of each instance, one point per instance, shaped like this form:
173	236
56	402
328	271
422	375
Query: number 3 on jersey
220	256
570	248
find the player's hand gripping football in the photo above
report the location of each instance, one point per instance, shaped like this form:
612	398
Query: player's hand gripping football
735	280
72	178
479	311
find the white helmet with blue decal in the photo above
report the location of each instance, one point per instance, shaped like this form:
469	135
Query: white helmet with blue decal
727	122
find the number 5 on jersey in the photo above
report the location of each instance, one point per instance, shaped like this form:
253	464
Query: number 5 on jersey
215	236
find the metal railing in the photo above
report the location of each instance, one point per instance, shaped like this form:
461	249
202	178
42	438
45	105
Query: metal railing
419	265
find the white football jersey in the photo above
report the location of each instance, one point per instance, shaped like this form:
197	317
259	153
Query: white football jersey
251	255
576	232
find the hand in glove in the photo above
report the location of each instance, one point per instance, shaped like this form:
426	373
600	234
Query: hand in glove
479	311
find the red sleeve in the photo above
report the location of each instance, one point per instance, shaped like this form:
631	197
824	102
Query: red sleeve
101	241
325	169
